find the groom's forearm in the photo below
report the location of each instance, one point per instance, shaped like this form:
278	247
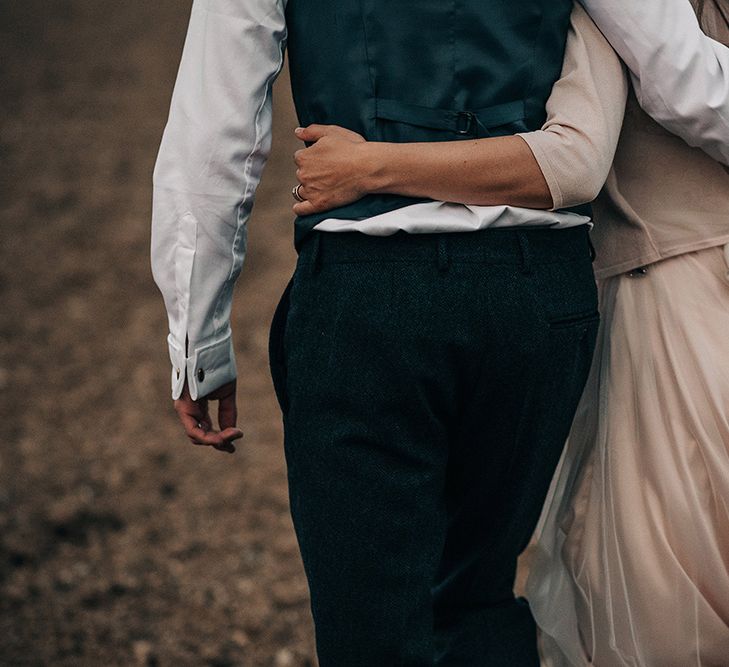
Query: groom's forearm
214	147
492	171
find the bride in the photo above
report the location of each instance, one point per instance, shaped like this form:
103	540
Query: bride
632	557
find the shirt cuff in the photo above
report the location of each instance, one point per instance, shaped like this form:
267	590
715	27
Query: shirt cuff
206	368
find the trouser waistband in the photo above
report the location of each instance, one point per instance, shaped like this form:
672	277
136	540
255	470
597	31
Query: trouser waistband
524	246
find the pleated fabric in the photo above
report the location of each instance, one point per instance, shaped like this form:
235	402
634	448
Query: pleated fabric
631	565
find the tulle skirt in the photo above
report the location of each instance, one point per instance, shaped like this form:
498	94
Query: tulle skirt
631	565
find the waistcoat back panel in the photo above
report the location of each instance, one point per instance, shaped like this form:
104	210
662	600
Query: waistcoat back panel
422	70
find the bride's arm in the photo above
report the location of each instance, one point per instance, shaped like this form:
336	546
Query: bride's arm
563	164
499	170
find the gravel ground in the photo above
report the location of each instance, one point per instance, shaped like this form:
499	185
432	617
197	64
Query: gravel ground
120	543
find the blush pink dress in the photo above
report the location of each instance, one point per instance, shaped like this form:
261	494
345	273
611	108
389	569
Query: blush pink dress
631	563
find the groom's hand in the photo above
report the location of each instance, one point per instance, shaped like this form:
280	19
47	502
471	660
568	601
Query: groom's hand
331	170
195	418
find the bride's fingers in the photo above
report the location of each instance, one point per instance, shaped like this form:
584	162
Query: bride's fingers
304	208
314	131
302	191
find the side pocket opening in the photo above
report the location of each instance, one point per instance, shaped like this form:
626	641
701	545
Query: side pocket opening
276	351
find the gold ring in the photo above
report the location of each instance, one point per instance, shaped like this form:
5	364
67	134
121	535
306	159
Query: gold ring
295	193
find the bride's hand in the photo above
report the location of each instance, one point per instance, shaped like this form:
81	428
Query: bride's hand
332	170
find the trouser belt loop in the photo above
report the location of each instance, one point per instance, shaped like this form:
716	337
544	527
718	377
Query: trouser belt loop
526	255
316	252
443	258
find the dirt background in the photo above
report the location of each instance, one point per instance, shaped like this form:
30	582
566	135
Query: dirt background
121	543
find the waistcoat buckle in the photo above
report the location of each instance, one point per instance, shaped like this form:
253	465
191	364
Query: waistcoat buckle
465	121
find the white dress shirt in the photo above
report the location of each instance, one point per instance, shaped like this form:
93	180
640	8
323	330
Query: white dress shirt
217	140
680	76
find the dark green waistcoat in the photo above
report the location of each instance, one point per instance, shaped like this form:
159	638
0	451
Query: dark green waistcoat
422	70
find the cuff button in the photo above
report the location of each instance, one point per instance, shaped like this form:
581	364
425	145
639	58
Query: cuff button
200	374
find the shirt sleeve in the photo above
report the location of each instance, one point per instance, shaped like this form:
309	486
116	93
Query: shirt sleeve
213	150
681	76
576	145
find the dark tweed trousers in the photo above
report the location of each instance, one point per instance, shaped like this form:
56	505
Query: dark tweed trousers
427	384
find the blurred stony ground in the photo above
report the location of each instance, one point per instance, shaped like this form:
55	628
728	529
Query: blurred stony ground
121	543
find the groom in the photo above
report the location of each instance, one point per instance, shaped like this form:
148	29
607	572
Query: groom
427	381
